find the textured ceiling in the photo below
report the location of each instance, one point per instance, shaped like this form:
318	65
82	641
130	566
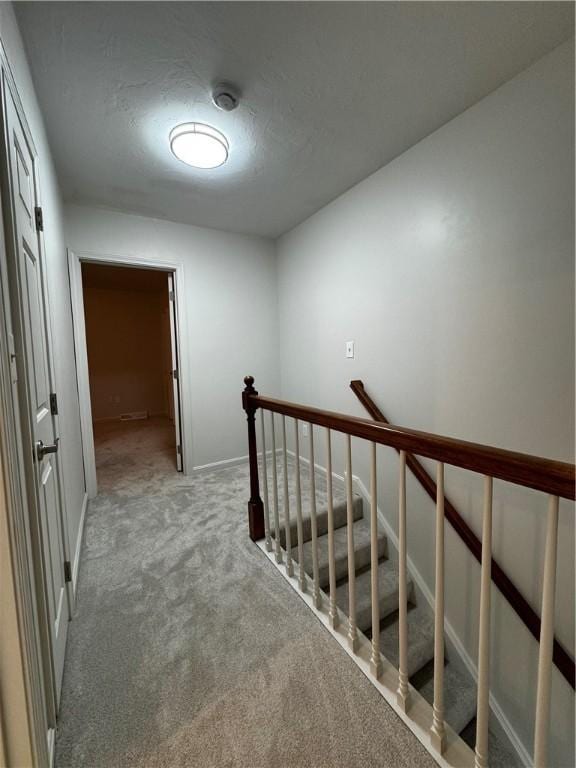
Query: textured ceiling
330	93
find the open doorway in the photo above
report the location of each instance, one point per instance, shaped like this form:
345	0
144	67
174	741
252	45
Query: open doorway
132	356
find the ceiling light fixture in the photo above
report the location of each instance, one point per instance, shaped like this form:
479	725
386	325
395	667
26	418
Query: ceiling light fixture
199	145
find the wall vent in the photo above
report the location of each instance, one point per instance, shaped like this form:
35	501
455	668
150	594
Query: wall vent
134	416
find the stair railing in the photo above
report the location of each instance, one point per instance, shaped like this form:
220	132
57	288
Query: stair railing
521	606
555	478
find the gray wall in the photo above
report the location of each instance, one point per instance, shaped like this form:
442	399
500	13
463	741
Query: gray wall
452	269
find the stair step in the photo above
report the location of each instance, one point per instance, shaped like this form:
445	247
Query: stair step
340	518
387	591
459	697
420	639
361	530
501	753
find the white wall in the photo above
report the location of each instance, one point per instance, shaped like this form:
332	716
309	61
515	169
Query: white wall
231	313
452	269
57	278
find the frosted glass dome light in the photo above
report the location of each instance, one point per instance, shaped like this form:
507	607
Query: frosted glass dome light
199	145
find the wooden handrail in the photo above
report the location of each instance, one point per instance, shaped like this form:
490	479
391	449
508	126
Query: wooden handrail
555	477
562	658
552	477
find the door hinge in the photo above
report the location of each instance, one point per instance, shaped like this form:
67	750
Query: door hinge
39	218
175	374
179	450
12	352
170	295
67	571
53	404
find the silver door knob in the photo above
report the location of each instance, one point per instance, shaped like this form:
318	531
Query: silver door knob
42	450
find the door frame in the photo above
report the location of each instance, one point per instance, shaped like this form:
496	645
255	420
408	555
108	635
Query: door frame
75	261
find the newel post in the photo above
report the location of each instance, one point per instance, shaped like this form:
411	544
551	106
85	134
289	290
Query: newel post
255	506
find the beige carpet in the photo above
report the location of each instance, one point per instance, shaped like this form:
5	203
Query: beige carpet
189	649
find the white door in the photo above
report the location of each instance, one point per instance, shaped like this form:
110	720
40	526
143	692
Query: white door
175	370
35	381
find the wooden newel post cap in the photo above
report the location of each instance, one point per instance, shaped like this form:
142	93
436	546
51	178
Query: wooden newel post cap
248	390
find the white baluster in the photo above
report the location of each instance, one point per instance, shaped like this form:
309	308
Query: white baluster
546	638
375	659
313	524
403	693
352	629
288	532
301	571
265	485
333	611
483	705
277	545
438	731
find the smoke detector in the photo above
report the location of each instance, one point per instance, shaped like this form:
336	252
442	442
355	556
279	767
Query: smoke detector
225	97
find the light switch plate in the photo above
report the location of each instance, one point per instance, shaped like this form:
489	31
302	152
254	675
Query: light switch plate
349	349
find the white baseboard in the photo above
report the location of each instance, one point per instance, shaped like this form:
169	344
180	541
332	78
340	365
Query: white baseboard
151	415
51	740
219	464
104	419
225	463
318	467
78	548
465	657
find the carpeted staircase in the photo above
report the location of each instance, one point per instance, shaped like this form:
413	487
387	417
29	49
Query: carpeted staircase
459	686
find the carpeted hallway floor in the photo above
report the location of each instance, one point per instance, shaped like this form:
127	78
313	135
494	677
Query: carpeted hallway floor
189	649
